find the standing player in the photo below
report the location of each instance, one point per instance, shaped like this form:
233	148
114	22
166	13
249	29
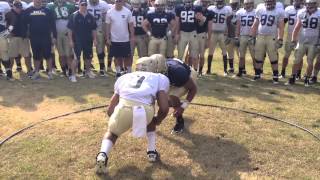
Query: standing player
99	8
306	34
4	32
62	11
221	13
141	41
171	4
231	41
269	28
245	19
42	32
290	17
156	25
204	25
182	83
186	31
132	105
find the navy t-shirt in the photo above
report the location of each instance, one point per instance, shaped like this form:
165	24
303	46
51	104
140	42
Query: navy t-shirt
40	22
178	73
82	26
159	23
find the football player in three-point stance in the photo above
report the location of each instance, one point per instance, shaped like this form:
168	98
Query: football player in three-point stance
221	14
141	41
290	18
99	9
232	43
186	31
204	25
245	19
133	105
182	82
269	28
62	11
306	36
156	25
4	32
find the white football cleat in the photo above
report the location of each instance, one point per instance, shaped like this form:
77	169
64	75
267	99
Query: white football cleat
73	78
153	156
101	164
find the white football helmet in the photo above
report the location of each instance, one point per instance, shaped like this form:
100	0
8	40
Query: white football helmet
248	5
311	5
220	4
270	4
136	4
160	5
155	63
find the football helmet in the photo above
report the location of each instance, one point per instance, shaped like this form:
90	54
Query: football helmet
160	5
311	5
205	3
187	3
248	5
155	63
270	4
234	4
220	4
298	3
59	2
171	4
136	4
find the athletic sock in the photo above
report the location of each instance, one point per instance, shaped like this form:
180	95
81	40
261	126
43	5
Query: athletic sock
209	63
231	63
151	136
225	63
106	146
102	66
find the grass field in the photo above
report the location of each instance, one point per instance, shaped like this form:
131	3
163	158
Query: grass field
217	144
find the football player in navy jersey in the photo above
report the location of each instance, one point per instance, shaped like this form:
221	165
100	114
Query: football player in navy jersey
156	25
204	23
141	41
182	83
186	30
171	8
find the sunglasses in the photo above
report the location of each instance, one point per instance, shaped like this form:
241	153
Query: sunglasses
83	4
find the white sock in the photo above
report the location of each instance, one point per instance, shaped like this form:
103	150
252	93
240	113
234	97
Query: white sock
129	69
118	69
151	141
106	146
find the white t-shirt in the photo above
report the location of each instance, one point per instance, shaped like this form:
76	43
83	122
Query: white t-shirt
246	20
141	86
219	20
119	22
98	10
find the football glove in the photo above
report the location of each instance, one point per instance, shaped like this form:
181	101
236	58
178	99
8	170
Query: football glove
227	40
252	40
293	45
279	43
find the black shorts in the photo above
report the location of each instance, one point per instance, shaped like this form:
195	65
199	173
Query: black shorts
120	49
41	48
85	47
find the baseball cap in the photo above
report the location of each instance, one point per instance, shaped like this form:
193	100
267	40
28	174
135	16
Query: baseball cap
17	4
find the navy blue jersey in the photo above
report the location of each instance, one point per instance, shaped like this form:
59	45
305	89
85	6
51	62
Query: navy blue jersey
40	22
186	18
178	72
16	20
138	17
159	23
82	26
201	28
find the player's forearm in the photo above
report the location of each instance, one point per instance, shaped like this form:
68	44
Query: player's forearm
209	29
94	35
281	30
113	103
145	26
192	90
108	29
238	29
253	30
70	34
295	32
162	100
131	29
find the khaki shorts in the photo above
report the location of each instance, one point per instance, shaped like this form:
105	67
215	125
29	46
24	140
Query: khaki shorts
4	49
244	45
202	43
185	39
63	45
19	46
170	46
266	44
181	91
141	42
218	38
157	46
303	49
121	119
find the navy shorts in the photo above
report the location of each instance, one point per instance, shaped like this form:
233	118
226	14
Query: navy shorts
120	49
85	47
41	48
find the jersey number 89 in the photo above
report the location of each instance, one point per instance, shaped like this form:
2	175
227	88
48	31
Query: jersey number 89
267	20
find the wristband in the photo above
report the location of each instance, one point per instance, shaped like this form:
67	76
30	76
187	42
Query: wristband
184	105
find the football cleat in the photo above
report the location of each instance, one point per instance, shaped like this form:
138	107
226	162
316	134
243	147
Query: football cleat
153	156
9	75
73	78
90	74
101	163
29	74
306	82
35	76
275	80
178	128
313	80
102	73
19	68
50	75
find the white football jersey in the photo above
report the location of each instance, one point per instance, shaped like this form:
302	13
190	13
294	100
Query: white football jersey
269	20
141	86
4	9
291	14
310	29
98	11
246	20
219	19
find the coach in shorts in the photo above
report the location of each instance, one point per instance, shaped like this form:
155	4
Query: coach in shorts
120	30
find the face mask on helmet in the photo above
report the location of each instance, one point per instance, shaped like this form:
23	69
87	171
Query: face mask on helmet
135	6
187	3
159	7
311	6
249	6
298	4
205	3
219	4
234	6
270	4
